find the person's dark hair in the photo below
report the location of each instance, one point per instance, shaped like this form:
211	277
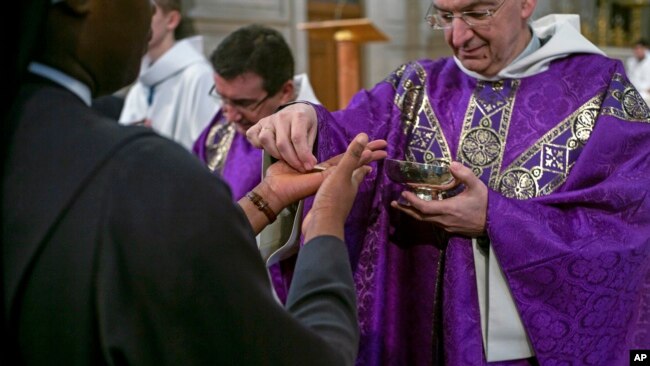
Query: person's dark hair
169	5
258	49
642	42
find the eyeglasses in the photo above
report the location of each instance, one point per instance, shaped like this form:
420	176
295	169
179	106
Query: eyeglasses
439	19
245	105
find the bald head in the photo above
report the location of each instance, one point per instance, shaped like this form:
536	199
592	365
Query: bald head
97	42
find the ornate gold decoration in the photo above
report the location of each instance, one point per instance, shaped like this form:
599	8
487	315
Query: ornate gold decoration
481	146
584	123
519	184
486	126
629	105
625	27
547	162
438	137
635	8
537	171
410	104
554	158
426	141
634	105
218	144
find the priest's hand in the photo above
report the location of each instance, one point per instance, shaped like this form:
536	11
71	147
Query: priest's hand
288	135
284	185
463	214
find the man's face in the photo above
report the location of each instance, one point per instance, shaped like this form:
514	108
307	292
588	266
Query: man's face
639	52
244	100
159	27
488	49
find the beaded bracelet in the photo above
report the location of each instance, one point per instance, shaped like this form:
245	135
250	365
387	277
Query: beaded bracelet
261	205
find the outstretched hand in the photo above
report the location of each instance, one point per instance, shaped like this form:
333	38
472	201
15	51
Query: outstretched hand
463	214
337	193
284	185
290	185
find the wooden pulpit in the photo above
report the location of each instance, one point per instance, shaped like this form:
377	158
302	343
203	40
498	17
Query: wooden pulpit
348	34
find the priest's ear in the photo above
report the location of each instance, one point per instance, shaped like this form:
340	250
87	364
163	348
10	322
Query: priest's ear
288	91
528	8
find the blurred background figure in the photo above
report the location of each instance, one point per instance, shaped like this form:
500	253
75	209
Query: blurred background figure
638	69
171	94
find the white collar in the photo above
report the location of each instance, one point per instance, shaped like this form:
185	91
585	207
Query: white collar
559	36
182	54
304	89
75	86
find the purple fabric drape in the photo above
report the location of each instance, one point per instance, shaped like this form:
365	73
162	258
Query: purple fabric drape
565	155
243	168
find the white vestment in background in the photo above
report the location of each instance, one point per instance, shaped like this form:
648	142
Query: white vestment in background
173	93
639	74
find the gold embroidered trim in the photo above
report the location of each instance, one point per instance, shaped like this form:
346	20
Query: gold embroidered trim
546	158
216	153
395	77
482	146
436	133
540	169
419	123
410	103
630	105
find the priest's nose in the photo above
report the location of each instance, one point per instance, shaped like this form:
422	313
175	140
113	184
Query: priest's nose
232	114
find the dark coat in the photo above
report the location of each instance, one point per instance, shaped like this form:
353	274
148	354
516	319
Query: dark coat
120	247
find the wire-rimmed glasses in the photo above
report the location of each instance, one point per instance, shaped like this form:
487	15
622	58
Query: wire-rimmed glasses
247	105
441	19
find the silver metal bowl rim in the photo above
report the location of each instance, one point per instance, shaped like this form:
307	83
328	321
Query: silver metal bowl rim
437	163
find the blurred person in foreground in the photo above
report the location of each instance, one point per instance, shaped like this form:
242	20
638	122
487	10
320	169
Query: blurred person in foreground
119	247
542	256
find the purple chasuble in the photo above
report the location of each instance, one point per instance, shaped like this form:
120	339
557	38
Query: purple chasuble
565	156
243	168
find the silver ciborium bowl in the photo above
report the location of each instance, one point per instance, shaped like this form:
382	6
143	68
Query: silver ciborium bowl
423	179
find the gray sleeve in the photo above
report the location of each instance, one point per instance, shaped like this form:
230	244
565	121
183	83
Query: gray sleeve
322	294
190	264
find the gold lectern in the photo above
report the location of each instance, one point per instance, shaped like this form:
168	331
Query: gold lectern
348	34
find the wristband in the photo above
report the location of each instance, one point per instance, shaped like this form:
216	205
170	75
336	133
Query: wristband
261	205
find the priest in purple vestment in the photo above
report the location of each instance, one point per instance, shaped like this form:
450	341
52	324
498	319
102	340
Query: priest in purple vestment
253	76
544	256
